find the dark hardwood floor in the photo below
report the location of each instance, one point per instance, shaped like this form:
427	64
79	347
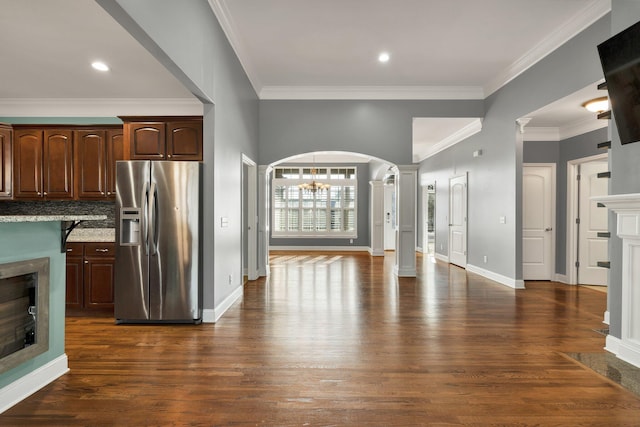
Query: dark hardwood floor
336	339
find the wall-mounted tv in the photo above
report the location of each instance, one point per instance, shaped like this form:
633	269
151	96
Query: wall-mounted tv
620	59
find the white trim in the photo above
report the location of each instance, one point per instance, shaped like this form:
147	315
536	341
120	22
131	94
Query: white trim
99	107
212	316
372	92
612	344
419	249
576	128
376	252
221	12
578	23
441	257
469	130
251	270
607	317
320	248
562	278
622	350
572	212
503	280
25	386
405	271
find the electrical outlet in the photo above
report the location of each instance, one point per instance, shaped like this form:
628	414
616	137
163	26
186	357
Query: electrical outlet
484	259
351	241
441	246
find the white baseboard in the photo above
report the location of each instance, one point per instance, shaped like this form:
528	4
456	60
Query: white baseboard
24	387
612	344
212	316
504	280
419	249
623	350
377	252
562	278
321	248
606	318
441	257
404	272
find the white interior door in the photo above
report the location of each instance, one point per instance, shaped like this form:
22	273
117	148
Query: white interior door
538	195
458	221
389	217
593	219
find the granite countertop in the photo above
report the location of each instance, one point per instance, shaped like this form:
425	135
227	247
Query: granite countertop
92	235
50	218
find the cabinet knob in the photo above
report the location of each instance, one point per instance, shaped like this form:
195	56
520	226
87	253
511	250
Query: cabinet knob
86	262
45	193
39	193
169	156
102	250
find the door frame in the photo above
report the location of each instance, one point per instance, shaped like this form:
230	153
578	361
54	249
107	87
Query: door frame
572	212
252	217
553	207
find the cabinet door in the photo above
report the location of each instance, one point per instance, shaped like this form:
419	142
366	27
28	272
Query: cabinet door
6	160
74	277
99	264
58	164
116	150
27	163
184	140
147	140
91	174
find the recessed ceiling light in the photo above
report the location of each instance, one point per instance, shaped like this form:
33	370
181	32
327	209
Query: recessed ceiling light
100	66
383	57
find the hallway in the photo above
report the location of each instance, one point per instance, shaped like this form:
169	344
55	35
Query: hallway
337	339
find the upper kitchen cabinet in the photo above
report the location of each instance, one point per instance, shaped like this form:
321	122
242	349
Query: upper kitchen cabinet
43	164
97	151
6	160
164	138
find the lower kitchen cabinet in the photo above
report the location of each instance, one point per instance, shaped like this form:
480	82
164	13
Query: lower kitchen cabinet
90	277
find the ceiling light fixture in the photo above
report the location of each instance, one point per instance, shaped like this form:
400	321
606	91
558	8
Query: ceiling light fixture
100	66
313	186
597	105
384	57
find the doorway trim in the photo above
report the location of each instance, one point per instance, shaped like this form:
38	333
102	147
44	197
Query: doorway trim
465	213
252	217
571	276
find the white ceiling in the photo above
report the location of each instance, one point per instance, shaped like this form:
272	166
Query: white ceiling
454	49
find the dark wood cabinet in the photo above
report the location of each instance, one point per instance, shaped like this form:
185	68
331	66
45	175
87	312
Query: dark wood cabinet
164	138
6	162
43	164
97	150
90	277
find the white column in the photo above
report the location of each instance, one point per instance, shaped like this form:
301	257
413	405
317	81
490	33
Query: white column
627	208
263	220
376	212
406	195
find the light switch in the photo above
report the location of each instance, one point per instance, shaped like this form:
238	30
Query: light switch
224	222
503	220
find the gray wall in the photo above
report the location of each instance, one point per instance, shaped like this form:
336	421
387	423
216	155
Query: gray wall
382	129
561	152
363	238
187	39
495	179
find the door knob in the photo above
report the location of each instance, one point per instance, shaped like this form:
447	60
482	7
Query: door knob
548	229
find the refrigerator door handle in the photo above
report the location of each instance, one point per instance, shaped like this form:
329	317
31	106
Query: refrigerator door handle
145	219
153	219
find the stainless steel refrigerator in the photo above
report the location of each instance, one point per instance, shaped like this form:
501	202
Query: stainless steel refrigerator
158	271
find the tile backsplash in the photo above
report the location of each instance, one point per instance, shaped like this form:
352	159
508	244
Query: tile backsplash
64	207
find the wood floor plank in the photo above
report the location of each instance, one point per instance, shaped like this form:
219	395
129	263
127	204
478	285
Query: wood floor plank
346	343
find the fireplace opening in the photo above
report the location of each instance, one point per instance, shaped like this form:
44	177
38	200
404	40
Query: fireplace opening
24	309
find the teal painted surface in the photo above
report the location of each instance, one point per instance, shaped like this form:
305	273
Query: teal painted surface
21	241
61	120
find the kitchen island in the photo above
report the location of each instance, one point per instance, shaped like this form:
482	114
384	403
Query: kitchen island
22	238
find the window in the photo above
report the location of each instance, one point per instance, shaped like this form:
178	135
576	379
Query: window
300	212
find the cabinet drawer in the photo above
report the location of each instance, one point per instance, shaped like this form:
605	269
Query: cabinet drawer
99	249
74	249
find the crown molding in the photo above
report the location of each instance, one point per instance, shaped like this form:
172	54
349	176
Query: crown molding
371	92
576	128
99	107
221	12
596	10
464	133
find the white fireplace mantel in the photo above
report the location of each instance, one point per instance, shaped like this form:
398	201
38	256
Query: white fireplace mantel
627	209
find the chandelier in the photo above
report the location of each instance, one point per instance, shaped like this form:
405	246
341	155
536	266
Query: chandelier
314	186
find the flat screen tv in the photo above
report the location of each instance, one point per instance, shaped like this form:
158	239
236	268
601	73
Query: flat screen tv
620	59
